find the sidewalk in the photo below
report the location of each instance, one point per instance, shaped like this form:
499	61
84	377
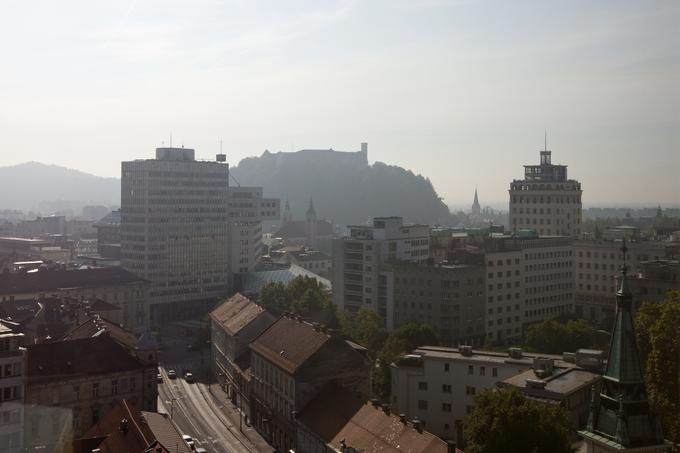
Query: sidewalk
231	412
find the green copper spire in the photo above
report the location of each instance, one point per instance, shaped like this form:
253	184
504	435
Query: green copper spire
621	416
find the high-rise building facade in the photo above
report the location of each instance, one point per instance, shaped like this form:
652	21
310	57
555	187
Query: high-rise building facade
247	211
358	259
546	200
174	230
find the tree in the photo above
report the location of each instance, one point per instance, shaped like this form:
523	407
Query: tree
302	295
366	328
402	340
657	327
504	421
554	337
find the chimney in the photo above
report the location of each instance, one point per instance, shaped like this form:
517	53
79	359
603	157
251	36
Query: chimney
123	426
417	425
386	408
375	402
402	418
450	446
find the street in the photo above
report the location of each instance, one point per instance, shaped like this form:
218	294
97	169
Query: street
201	410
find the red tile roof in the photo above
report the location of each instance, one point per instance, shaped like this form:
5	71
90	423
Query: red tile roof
85	356
140	432
51	280
236	313
337	415
97	326
288	343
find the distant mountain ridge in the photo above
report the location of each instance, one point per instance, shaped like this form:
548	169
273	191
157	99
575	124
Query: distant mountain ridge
343	186
29	185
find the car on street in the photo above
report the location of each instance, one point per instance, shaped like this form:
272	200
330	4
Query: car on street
188	440
159	378
189	377
172	374
201	450
190	347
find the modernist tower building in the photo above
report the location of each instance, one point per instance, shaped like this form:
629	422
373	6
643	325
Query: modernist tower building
546	200
174	230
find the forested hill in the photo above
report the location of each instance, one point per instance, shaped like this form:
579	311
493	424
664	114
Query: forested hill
344	187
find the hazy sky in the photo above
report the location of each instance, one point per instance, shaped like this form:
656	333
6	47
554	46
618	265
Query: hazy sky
460	91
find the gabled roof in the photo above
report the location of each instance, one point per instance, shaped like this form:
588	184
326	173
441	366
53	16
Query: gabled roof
98	326
299	229
85	356
338	416
51	280
288	343
236	313
126	429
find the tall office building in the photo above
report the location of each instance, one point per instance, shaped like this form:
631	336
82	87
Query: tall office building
546	200
174	230
359	279
247	211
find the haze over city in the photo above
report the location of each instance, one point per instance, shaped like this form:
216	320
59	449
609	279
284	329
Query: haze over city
460	92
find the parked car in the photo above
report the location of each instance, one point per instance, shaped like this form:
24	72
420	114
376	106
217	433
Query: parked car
190	347
201	450
172	374
189	377
188	440
159	378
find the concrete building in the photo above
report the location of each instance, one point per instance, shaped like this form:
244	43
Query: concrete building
233	326
71	384
291	362
174	230
112	285
108	235
338	420
546	200
312	260
569	386
437	384
358	261
42	226
596	265
450	298
654	280
12	374
247	211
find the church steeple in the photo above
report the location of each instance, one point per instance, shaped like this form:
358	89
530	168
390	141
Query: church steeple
476	209
621	419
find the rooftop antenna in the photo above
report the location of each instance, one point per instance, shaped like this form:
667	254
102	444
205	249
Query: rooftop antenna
545	141
220	146
624	250
170	139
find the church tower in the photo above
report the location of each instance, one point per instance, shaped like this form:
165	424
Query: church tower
311	225
621	418
287	216
476	209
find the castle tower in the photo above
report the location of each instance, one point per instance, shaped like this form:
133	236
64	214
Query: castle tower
476	209
311	225
621	418
287	216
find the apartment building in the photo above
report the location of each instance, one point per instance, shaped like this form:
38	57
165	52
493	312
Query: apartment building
654	280
450	298
359	258
12	366
125	292
596	266
291	362
174	230
437	385
247	210
546	200
69	386
233	326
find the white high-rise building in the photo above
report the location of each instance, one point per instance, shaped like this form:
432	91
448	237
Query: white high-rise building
546	200
247	211
174	230
358	280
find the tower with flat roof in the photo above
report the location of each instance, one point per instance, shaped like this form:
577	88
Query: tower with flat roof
546	200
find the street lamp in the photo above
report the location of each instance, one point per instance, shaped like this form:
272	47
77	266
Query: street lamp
172	406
